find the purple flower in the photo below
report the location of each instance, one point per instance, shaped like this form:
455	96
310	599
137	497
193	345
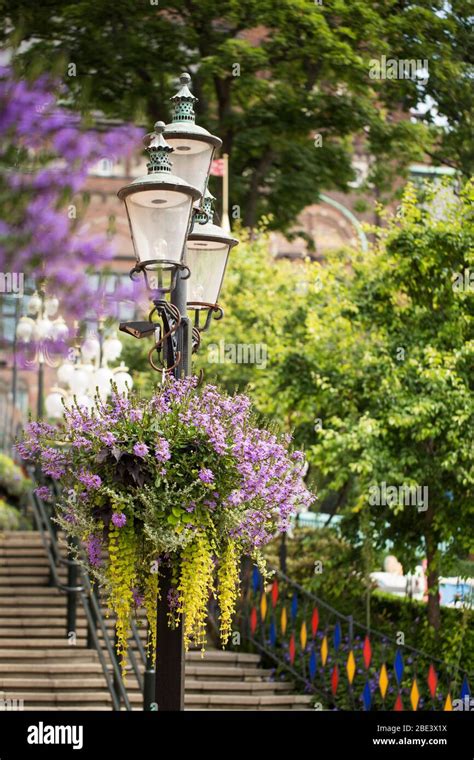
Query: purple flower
44	493
162	450
93	547
173	598
140	450
89	480
135	415
53	463
206	475
119	519
34	119
108	439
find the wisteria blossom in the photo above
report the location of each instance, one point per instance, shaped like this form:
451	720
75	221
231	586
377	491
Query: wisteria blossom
46	153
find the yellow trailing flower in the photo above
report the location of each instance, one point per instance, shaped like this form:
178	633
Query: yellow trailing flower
150	604
228	588
122	577
195	584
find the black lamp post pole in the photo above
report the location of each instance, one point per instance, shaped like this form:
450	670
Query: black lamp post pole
40	386
169	676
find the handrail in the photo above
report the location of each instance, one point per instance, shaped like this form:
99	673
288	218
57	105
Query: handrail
314	643
89	602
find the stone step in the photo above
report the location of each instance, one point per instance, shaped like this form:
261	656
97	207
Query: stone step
19	612
11	554
76	669
9	685
195	686
56	669
43	683
45	597
24	644
19	654
11	571
222	655
215	672
102	707
237	701
38	560
8	582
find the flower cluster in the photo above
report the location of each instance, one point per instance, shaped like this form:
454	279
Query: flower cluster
46	153
185	477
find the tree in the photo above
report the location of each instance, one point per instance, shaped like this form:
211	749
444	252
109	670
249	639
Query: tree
286	85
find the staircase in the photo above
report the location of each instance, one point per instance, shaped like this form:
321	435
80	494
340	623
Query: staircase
47	671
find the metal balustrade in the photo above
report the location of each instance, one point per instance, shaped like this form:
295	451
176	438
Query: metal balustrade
339	660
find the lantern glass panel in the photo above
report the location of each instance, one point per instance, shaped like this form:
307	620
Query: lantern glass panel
207	261
191	160
159	222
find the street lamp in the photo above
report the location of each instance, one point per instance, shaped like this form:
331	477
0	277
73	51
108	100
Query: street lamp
159	207
39	328
168	234
193	145
207	252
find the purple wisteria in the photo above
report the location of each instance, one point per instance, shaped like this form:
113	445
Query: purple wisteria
46	153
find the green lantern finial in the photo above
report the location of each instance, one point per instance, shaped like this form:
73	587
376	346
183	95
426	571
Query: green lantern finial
206	214
158	150
184	101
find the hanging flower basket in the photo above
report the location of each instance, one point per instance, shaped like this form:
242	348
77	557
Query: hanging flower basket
185	478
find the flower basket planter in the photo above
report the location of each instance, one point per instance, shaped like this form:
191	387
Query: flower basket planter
183	480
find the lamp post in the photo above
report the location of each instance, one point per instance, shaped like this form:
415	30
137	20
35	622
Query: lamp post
39	328
175	241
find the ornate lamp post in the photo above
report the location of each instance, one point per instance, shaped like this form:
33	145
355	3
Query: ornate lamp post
175	241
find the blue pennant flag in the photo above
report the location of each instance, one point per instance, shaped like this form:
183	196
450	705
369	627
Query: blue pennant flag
294	606
367	696
273	634
255	579
337	635
398	665
465	690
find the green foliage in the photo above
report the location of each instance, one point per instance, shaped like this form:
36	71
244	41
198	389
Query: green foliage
11	518
13	483
269	77
338	576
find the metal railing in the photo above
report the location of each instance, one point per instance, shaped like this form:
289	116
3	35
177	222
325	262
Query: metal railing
334	657
79	587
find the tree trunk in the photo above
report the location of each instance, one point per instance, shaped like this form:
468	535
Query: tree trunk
431	545
250	213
